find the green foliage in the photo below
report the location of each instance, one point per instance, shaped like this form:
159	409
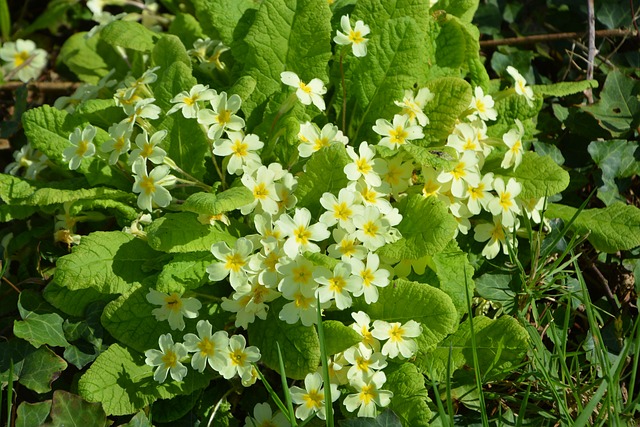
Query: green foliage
616	159
181	232
216	204
32	414
70	410
339	337
452	97
129	35
410	396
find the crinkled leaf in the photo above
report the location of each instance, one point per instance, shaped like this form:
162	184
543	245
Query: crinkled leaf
618	109
187	28
403	300
185	271
73	302
138	420
511	107
339	337
562	89
463	9
539	175
100	112
109	262
214	204
32	414
612	229
286	36
8	213
186	143
181	232
90	58
410	398
497	288
426	228
501	344
48	130
121	381
442	158
299	344
452	96
130	35
70	410
169	50
455	275
220	18
324	173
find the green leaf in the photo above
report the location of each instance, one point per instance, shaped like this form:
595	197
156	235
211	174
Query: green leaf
618	109
121	381
69	410
395	61
32	414
539	175
48	130
219	18
563	89
443	158
82	57
54	17
497	288
452	43
8	213
186	143
403	300
339	337
324	173
37	328
108	262
169	50
501	344
185	271
40	369
187	28
138	420
215	204
410	398
130	35
614	228
100	112
452	96
455	275
286	36
426	228
616	159
181	232
299	344
385	419
463	9
73	302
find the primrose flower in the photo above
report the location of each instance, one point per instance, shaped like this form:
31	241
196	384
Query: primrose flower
307	93
233	263
173	308
313	139
362	327
371	275
340	209
482	105
521	85
364	165
81	146
297	274
30	159
463	174
532	208
242	149
261	183
497	235
398	336
300	235
239	358
311	398
23	60
346	246
413	106
303	307
119	143
355	37
364	362
148	148
398	175
151	186
214	60
513	140
479	195
371	228
167	359
264	417
209	349
398	133
251	304
464	138
369	395
337	285
505	203
143	109
188	101
223	116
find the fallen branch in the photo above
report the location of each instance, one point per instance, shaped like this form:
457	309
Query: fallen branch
41	86
555	36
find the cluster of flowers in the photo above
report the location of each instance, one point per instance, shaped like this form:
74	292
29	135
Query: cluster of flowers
271	263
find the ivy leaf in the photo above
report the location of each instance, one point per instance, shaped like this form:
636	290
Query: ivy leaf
299	344
130	35
285	36
339	337
410	398
215	204
614	228
540	176
403	300
426	228
501	344
121	381
451	97
69	410
324	173
40	369
618	109
32	414
39	329
616	159
181	232
108	262
184	271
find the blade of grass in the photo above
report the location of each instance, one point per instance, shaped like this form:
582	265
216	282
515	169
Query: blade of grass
285	386
10	392
449	398
474	352
5	21
634	365
443	415
523	407
328	403
273	394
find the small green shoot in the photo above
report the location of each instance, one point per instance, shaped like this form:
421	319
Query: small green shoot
328	403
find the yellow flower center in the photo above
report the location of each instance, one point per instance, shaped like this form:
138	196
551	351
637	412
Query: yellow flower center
260	191
506	201
347	247
83	146
369	196
237	357
148	185
517	146
207	347
367	393
320	143
147	150
370	228
271	260
170	359
259	294
458	172
363	166
190	100
173	302
367	276
336	284
342	211
430	188
398	135
393	175
355	37
301	301
367	338
469	144
480	106
362	364
20	58
395	333
305	88
302	275
234	262
476	192
302	235
313	399
224	117
119	144
240	148
497	233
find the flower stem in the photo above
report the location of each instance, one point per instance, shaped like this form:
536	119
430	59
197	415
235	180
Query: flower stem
344	94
